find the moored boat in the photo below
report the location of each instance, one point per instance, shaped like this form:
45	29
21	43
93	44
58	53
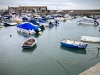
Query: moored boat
90	39
8	22
88	21
73	44
27	27
29	43
43	22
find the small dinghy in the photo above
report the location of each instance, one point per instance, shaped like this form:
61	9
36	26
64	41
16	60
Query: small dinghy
29	43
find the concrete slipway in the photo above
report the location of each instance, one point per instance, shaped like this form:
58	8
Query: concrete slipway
95	70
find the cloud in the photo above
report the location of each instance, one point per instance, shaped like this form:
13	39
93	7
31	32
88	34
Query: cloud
53	4
69	4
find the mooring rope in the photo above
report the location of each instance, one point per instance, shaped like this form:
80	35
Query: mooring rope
75	62
78	62
63	67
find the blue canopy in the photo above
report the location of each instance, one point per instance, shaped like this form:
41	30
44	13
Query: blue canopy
42	21
28	26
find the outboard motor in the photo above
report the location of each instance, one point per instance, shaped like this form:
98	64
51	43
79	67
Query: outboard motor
51	24
25	19
42	27
96	23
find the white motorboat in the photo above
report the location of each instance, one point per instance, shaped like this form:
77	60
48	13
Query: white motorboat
90	39
88	21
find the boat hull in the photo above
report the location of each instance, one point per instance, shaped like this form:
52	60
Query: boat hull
74	45
10	24
29	44
84	23
90	39
26	47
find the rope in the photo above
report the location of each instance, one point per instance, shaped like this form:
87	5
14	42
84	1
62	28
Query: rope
64	68
75	62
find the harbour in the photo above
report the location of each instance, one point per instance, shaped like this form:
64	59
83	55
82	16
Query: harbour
48	56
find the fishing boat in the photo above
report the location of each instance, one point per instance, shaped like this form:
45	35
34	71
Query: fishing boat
73	44
29	43
90	39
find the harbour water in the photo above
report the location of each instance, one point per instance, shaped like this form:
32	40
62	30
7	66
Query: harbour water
48	56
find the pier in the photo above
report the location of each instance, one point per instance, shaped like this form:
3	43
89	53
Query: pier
95	70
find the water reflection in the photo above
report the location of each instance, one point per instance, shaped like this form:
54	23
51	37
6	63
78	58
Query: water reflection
24	34
30	50
36	35
74	50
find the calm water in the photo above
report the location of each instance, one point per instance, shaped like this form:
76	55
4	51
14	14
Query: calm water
48	56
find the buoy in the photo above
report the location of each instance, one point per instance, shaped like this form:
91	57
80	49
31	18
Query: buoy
10	35
40	33
0	26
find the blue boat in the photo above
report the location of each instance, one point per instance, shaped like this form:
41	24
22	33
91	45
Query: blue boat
28	26
73	44
34	22
42	21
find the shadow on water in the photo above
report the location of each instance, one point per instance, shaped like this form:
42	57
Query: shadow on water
30	50
74	50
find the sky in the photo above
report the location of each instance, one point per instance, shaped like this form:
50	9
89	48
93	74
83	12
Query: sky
53	4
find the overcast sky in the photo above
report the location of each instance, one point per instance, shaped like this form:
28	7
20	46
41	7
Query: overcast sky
53	4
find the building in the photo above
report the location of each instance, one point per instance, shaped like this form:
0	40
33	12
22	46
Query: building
2	11
30	9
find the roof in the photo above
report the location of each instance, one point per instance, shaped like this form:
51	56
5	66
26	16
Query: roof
13	7
32	6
